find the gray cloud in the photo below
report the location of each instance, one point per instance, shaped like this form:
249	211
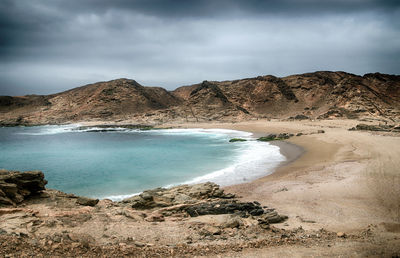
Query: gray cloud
48	46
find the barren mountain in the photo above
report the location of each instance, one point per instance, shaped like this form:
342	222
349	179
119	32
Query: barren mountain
312	95
116	99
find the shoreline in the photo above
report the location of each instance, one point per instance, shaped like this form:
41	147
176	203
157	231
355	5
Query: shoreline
338	198
289	153
331	172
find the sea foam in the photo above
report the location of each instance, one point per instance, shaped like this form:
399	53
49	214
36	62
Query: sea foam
254	160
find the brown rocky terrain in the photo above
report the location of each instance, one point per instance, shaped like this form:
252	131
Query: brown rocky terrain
317	95
180	221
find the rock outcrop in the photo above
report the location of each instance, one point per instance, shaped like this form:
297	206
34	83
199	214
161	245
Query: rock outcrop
180	221
199	200
183	194
186	200
16	186
86	201
376	128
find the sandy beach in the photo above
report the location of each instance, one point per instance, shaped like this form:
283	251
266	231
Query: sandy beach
344	181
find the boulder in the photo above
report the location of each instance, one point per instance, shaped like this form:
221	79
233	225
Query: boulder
85	201
16	186
210	230
269	137
270	217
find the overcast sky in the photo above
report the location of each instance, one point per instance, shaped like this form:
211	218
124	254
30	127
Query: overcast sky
47	46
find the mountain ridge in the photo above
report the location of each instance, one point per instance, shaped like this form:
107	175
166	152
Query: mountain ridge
317	95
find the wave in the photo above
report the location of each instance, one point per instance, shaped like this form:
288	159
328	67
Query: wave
216	133
117	198
254	160
77	128
50	129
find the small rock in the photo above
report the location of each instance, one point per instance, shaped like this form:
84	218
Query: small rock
155	218
232	222
211	230
139	244
264	226
55	246
130	239
284	189
75	245
341	234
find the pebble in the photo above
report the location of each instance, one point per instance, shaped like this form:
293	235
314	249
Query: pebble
341	234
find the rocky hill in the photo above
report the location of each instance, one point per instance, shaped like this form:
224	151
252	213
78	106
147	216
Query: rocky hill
317	95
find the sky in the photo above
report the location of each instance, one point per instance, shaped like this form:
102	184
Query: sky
47	46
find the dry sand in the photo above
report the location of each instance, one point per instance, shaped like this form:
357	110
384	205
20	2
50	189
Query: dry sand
344	181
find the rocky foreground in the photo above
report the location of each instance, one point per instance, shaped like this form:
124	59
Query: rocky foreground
181	221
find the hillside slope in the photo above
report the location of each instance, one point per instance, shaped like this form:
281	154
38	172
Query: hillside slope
317	95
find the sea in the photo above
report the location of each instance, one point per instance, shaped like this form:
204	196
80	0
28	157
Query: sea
116	163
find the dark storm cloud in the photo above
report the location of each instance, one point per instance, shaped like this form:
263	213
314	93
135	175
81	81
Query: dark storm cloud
50	45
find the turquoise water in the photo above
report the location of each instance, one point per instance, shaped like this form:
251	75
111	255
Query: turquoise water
117	164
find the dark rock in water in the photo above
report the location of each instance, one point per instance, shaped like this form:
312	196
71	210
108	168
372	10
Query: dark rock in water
274	137
237	140
86	201
269	137
15	186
